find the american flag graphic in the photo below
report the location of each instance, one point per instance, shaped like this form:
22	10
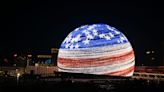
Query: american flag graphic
96	49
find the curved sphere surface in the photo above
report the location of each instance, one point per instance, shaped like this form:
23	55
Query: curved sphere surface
96	49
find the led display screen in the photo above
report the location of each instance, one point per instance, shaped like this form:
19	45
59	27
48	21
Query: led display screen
96	49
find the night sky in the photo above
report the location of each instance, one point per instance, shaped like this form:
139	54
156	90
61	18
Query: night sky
37	26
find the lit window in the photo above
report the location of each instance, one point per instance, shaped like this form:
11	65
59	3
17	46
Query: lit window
147	52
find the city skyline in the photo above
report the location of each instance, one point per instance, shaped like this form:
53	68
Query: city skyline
36	27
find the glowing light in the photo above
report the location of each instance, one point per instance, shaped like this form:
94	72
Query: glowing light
18	74
96	49
29	55
44	56
147	52
15	55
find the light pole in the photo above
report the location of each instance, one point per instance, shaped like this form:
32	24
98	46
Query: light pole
27	62
18	75
28	59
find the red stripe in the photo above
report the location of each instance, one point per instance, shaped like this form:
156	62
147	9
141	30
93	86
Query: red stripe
96	61
122	72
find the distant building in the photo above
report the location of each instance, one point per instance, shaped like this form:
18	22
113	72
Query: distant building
44	59
54	54
150	57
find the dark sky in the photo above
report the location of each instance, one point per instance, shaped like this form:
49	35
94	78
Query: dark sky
37	26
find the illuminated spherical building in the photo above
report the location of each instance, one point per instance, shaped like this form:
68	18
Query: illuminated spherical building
96	49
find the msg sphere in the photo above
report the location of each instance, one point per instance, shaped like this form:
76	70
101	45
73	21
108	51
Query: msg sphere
96	49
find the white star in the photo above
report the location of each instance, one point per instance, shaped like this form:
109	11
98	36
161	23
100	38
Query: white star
111	35
90	27
89	36
73	40
77	38
77	46
95	33
67	45
86	41
86	32
107	37
68	39
110	28
122	38
118	41
102	35
71	47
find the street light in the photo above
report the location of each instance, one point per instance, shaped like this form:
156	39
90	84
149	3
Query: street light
18	75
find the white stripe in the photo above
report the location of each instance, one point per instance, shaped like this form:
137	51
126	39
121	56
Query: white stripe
92	54
100	69
119	68
101	61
